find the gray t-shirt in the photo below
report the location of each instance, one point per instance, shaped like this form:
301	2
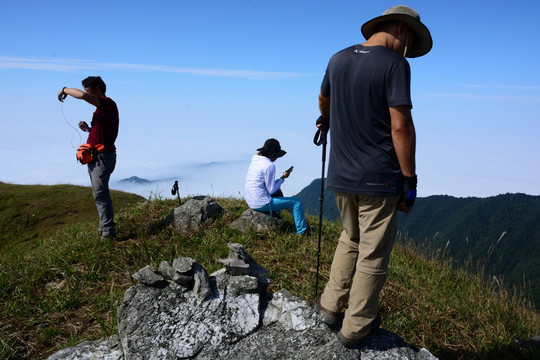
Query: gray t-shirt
362	83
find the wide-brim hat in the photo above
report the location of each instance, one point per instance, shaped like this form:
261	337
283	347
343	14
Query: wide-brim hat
272	149
422	42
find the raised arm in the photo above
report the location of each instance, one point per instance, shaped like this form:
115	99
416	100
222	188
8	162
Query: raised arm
79	94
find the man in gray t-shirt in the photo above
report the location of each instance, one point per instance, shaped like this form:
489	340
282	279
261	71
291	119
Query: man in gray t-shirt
367	80
365	103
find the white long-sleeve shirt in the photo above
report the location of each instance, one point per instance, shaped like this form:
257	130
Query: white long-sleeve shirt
260	182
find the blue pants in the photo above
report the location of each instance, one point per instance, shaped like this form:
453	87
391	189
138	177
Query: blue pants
100	171
292	203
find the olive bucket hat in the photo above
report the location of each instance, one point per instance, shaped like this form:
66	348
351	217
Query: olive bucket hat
272	149
422	42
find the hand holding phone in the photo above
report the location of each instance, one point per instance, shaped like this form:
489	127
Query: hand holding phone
287	172
84	126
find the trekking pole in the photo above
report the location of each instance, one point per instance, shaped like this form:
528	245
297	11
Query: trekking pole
176	191
320	138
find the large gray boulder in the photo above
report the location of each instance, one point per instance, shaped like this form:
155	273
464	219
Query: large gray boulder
194	212
162	317
258	221
103	349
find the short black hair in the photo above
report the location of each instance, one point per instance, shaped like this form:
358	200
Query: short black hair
95	81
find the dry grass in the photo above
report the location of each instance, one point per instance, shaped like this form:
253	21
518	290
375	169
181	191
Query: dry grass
453	314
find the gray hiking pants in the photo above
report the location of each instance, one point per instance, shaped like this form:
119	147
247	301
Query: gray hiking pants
100	171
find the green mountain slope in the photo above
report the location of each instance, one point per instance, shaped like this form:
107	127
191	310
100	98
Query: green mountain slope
31	212
310	197
498	236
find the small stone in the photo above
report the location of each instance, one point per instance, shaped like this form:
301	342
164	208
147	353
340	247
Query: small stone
149	276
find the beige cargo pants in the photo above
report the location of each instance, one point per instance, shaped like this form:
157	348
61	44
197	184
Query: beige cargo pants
362	255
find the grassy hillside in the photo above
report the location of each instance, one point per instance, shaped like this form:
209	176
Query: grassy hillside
59	285
496	236
32	212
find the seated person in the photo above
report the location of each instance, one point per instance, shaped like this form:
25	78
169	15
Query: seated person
262	189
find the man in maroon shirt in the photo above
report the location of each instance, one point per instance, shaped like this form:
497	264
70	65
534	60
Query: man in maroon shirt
103	132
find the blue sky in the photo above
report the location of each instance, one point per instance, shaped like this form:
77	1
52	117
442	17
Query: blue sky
200	85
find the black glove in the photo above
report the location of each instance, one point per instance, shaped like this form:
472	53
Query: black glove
324	122
408	194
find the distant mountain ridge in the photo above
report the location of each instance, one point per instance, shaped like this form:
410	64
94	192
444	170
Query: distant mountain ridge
135	180
498	235
311	196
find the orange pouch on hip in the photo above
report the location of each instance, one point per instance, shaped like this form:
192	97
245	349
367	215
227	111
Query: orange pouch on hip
86	153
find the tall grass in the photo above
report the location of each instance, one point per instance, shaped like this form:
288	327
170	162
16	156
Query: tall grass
63	285
453	313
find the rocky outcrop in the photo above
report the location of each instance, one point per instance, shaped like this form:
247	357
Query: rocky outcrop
169	314
258	221
194	212
103	349
240	262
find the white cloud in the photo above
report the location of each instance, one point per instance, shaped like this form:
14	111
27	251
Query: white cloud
520	87
69	65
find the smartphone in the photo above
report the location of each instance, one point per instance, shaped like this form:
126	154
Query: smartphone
289	169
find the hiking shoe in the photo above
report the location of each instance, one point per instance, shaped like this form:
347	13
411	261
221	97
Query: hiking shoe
354	343
330	318
307	232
